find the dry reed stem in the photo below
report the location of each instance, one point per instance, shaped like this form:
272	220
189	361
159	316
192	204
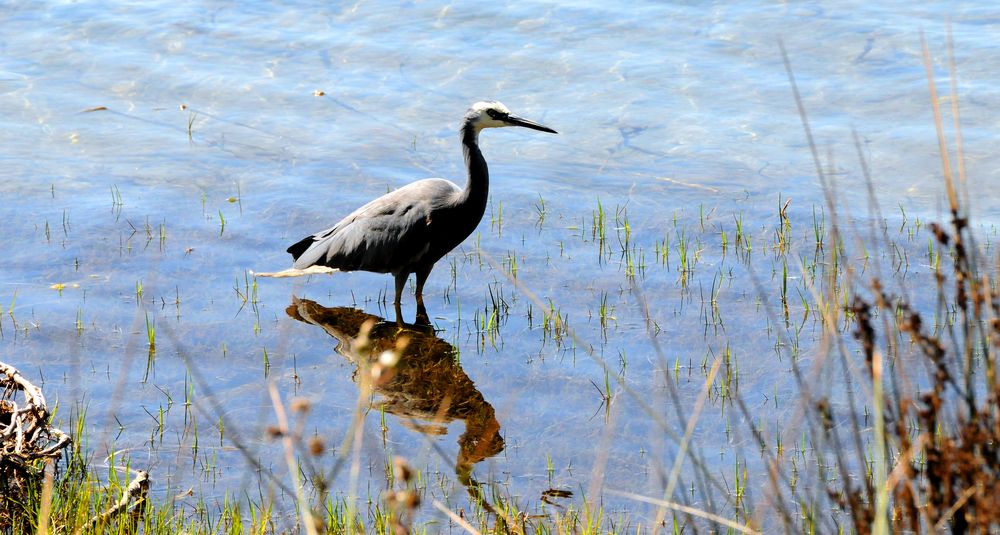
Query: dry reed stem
45	511
955	116
661	513
293	467
882	492
688	510
939	126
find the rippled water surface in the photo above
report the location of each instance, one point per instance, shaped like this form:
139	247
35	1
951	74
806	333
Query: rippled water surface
156	154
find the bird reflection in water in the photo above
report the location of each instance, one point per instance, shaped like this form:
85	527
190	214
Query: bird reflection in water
427	388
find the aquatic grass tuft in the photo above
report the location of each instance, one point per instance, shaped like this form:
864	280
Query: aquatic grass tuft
150	332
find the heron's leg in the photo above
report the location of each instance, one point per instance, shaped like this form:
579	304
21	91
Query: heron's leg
422	317
400	284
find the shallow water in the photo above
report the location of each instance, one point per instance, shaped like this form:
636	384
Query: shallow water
155	154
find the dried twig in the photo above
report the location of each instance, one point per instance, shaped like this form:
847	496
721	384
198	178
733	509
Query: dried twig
137	490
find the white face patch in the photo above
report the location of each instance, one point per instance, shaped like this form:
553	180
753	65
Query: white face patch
482	116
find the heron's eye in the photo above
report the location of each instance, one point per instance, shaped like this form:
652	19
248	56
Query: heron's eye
494	114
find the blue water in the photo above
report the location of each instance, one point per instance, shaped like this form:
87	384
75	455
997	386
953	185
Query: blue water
176	147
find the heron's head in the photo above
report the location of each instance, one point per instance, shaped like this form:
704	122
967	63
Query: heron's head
492	114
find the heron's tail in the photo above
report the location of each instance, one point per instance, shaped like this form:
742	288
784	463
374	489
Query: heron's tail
300	247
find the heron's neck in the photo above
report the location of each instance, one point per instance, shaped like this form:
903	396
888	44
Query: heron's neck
477	188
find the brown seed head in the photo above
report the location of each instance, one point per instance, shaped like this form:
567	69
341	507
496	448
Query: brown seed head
402	469
301	405
316	446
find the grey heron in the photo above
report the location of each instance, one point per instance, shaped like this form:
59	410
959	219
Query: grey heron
408	230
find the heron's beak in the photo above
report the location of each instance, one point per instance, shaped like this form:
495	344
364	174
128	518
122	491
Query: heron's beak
514	120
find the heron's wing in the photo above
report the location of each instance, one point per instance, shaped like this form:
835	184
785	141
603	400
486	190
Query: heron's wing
384	235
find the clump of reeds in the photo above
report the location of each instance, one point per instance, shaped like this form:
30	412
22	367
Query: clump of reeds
932	458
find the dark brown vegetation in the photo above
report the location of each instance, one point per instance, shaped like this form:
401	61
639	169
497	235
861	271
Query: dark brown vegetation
945	438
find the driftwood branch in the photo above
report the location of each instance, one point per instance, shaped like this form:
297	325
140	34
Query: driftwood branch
136	490
28	443
25	434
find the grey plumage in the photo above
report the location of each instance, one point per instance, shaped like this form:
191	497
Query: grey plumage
408	230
